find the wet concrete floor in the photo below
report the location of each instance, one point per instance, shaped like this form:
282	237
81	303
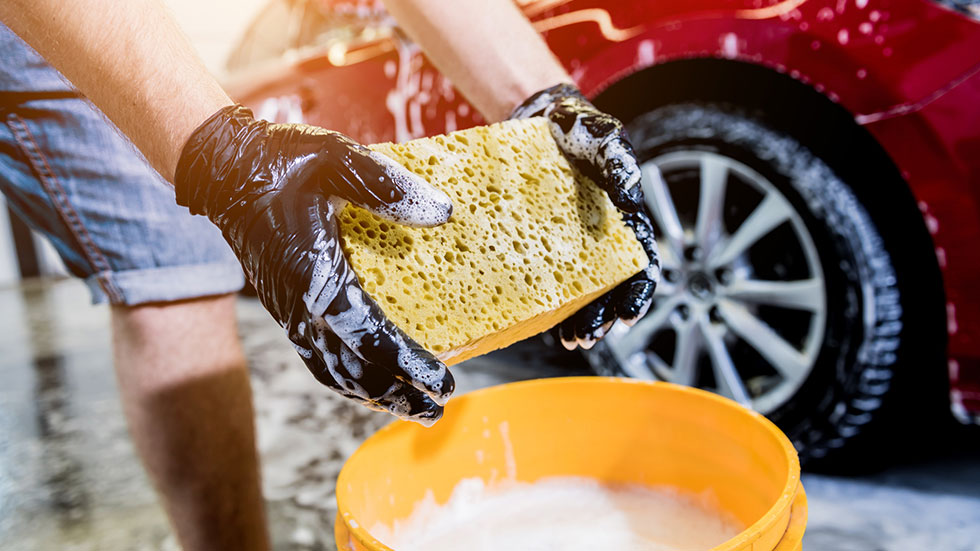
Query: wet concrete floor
69	478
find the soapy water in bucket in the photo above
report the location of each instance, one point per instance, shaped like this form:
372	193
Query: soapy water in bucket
561	513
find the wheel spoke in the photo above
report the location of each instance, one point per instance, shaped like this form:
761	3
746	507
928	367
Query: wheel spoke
727	379
686	354
783	356
656	366
661	206
714	178
640	334
664	288
771	212
668	259
804	294
668	263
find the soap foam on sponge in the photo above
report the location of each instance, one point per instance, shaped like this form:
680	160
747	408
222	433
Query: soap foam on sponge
527	245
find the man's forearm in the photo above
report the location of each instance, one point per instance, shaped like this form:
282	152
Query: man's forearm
487	48
131	60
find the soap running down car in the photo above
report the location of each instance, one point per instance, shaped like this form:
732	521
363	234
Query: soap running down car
819	205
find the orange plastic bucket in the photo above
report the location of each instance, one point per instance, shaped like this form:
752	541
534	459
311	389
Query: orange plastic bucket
615	430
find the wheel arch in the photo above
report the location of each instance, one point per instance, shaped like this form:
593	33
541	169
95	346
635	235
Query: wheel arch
774	97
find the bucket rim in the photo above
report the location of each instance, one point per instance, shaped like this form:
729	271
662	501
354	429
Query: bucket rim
779	511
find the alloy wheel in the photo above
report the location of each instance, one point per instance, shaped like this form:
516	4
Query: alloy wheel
741	306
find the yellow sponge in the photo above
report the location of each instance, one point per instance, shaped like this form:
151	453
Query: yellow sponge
525	248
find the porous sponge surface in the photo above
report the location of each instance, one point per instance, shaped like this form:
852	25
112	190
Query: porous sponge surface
527	245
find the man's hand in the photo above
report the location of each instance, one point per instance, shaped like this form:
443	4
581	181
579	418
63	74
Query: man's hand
275	191
597	146
594	142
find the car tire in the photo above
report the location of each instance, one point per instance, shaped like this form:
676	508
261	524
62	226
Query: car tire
837	411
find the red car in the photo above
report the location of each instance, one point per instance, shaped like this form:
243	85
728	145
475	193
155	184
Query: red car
818	218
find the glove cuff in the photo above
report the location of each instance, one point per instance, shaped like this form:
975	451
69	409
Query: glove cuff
206	163
537	104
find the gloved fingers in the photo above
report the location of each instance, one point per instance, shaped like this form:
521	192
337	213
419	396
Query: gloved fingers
594	320
379	184
314	360
585	327
595	142
599	148
334	365
635	295
620	172
565	333
642	228
407	402
362	326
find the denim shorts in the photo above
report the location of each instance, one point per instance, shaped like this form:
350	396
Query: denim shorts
70	174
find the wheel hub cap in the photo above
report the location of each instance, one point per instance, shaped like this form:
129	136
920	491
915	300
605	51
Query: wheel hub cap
700	286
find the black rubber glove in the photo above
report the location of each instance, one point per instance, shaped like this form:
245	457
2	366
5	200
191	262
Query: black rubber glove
275	191
596	144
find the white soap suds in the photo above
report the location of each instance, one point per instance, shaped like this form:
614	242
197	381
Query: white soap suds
560	513
423	205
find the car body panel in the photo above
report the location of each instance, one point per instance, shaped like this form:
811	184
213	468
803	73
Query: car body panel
908	70
938	150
